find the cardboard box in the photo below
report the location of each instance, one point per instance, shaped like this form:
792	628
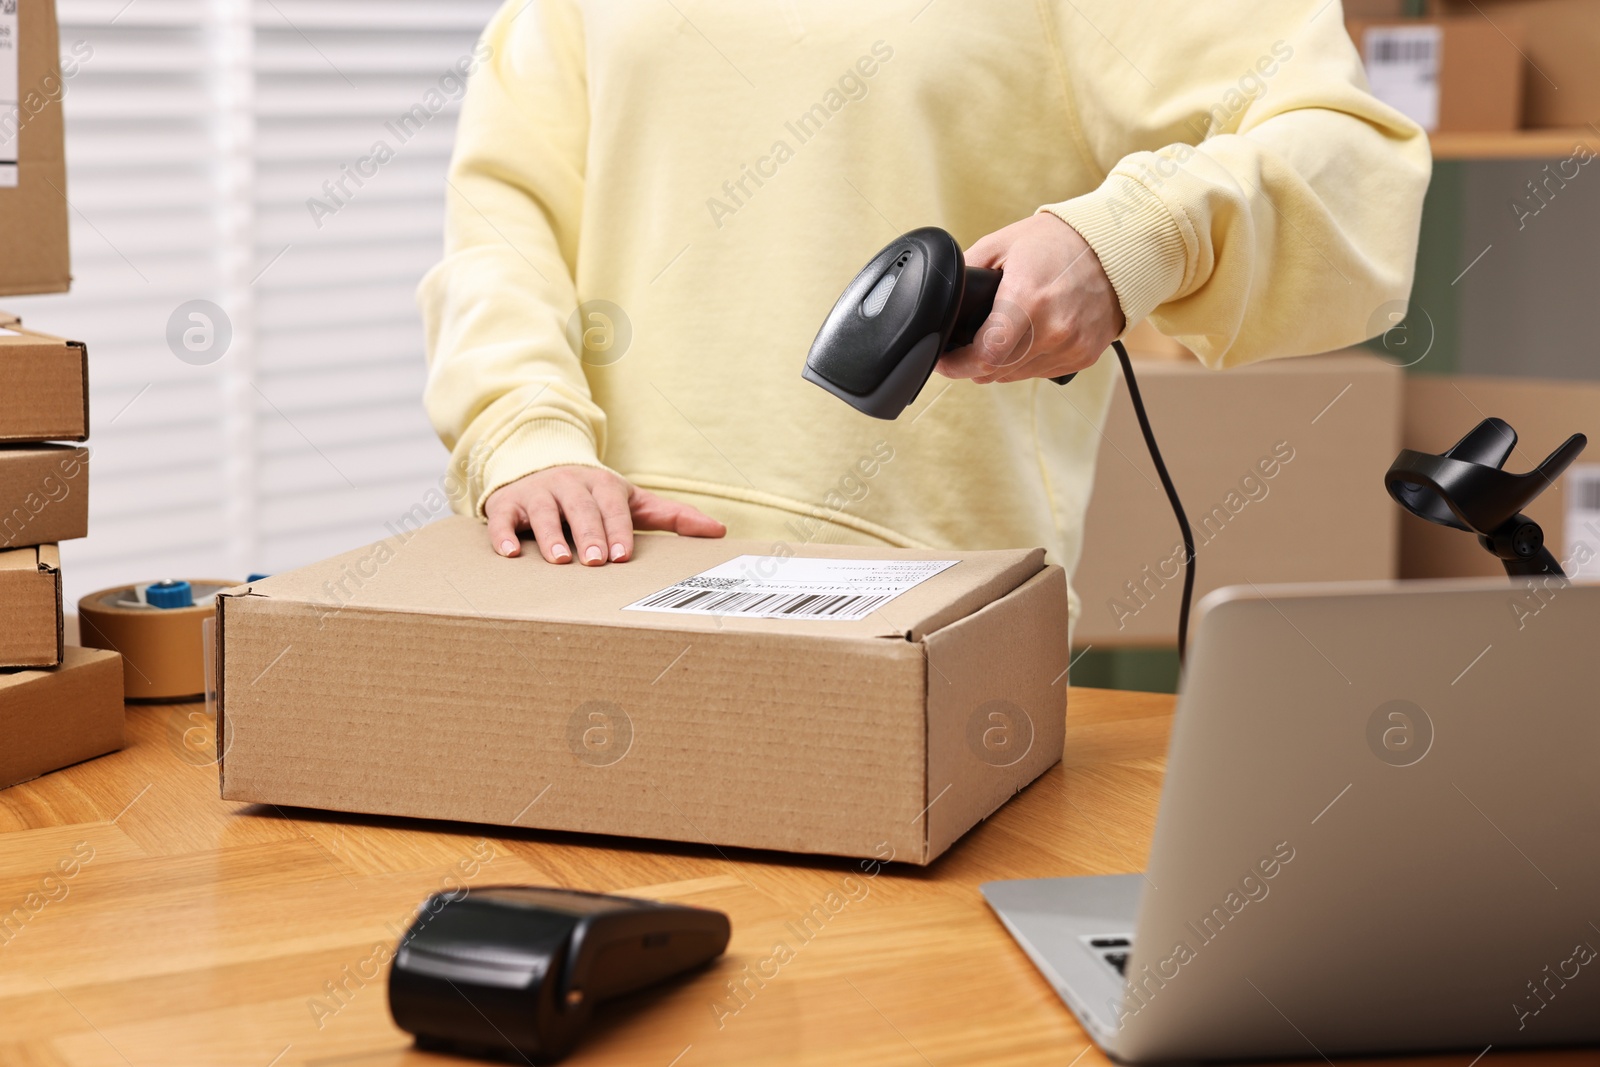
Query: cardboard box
1562	40
30	607
44	386
427	676
53	718
44	494
1321	514
33	171
1440	411
1450	75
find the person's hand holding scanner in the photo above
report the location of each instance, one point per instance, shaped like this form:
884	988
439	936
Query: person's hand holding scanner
601	509
1055	312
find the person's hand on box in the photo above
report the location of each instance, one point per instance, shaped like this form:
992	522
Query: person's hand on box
601	509
1055	312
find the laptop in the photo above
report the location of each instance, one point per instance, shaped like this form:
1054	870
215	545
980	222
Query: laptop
1379	833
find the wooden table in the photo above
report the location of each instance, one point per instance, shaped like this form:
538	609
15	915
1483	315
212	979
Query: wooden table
202	932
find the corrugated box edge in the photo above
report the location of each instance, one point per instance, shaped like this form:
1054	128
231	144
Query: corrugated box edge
48	562
82	674
996	681
83	370
53	530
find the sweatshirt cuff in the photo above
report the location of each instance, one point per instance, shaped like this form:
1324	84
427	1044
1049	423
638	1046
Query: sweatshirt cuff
532	447
1140	245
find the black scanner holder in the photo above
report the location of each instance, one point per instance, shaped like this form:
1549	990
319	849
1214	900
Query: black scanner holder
1465	488
514	972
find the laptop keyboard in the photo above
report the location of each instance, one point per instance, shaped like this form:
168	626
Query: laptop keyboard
1113	950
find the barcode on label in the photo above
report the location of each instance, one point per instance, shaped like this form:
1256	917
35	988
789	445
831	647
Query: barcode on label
791	605
1404	50
1403	69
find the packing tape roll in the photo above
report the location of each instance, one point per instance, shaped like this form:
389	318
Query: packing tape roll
163	649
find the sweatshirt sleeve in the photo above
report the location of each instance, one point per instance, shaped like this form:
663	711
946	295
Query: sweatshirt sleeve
1258	201
505	390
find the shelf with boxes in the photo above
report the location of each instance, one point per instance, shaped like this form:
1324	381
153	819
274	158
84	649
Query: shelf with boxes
1488	79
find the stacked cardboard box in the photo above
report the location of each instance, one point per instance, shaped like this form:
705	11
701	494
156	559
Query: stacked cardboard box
43	487
33	170
58	704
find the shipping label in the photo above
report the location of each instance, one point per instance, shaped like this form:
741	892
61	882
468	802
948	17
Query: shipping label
792	587
1403	69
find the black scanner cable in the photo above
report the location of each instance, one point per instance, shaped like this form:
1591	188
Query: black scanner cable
1172	496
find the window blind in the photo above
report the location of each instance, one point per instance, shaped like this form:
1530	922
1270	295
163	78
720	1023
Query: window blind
210	148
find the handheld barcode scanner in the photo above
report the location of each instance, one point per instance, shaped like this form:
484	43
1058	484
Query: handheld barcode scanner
1465	488
914	301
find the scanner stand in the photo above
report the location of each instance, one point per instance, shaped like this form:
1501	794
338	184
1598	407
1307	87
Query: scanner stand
1466	488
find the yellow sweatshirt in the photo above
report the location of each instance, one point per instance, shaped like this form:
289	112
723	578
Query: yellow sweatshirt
705	176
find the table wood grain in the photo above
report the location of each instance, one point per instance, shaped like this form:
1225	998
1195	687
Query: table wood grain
194	931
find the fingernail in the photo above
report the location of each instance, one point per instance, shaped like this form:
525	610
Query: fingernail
507	547
617	552
560	552
594	554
